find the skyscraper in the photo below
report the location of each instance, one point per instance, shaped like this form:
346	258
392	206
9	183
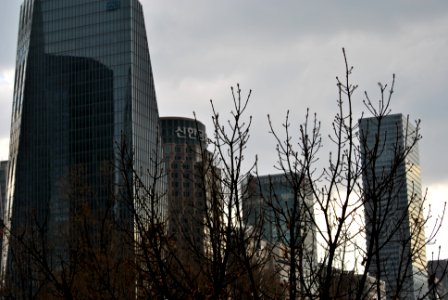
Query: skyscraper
282	207
3	181
438	280
266	195
393	204
185	146
83	87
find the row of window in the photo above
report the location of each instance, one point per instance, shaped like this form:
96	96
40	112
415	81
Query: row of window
84	6
118	41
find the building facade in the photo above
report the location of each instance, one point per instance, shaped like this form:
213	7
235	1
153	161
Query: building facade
3	182
84	91
281	206
345	286
438	279
264	195
3	192
393	205
185	148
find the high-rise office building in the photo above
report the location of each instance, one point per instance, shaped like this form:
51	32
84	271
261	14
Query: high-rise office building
438	279
276	203
185	147
266	195
83	87
3	181
393	204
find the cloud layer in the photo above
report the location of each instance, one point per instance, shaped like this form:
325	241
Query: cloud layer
289	54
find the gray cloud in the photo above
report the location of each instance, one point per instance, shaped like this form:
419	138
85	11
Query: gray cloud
288	52
9	18
8	31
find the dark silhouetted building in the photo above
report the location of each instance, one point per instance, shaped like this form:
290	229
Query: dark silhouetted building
438	279
83	88
345	286
3	192
185	150
3	182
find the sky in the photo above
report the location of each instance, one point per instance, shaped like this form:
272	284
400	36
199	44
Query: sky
289	53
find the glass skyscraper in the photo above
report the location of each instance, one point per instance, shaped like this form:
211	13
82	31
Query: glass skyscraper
3	180
393	204
83	87
274	204
269	201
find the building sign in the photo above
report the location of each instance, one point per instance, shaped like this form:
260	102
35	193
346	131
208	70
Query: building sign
189	133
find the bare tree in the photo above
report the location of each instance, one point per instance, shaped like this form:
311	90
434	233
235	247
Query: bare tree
330	238
355	201
228	262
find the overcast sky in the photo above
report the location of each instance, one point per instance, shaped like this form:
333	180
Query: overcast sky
289	53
